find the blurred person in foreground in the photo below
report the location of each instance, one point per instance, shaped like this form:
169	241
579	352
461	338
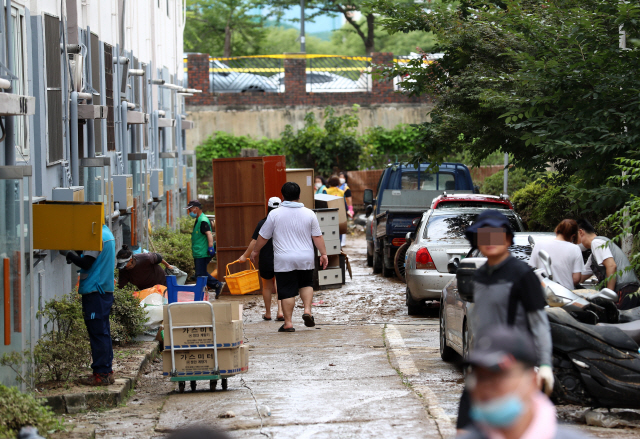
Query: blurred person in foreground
265	264
567	263
506	291
608	262
506	402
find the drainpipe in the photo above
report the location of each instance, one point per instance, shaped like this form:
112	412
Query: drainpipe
124	107
91	143
73	128
9	145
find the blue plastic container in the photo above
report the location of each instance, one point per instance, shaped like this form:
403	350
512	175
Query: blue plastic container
198	289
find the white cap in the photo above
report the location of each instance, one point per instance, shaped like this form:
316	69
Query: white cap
274	202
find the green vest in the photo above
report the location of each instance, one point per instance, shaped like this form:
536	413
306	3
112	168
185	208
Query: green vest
199	242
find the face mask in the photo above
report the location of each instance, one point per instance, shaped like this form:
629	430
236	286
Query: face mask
342	181
318	185
499	412
193	215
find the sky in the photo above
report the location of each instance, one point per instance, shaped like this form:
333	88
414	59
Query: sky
321	24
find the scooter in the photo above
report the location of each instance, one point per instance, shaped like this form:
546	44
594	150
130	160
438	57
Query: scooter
595	365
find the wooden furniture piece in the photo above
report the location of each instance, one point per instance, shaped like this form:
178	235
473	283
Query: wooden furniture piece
241	189
305	179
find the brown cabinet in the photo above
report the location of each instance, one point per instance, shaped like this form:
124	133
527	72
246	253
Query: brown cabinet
305	179
241	189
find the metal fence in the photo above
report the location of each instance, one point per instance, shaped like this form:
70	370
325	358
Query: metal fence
242	74
333	74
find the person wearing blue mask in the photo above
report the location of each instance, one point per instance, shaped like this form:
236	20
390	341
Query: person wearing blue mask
506	401
96	287
202	247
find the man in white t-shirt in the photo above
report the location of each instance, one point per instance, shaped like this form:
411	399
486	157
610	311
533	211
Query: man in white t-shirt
605	261
566	263
294	230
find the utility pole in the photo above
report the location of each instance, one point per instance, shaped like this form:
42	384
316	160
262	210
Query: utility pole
302	42
506	173
627	238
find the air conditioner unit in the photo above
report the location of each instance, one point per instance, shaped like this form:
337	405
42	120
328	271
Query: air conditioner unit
76	64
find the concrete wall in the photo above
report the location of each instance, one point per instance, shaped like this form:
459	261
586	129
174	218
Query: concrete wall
258	122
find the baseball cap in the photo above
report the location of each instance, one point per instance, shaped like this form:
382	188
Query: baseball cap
488	218
501	346
194	203
274	202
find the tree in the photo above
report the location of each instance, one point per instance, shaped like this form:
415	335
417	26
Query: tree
222	27
543	80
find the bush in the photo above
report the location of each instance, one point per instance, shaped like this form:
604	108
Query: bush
127	316
21	410
175	245
382	146
64	350
518	179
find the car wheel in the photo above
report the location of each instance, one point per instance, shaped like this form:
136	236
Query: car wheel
377	262
369	258
414	307
465	341
446	353
399	261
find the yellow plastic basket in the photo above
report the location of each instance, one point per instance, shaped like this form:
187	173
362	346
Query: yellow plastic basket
243	282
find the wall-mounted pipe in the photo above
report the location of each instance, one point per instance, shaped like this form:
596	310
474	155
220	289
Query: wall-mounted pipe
91	141
73	137
124	108
7	301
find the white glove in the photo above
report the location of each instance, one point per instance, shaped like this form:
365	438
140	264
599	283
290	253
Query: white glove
545	379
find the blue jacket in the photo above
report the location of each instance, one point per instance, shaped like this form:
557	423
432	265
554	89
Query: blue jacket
100	276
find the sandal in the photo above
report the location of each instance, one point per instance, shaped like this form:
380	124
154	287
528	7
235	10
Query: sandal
280	319
264	318
283	329
309	321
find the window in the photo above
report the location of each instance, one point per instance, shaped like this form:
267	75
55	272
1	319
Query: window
53	66
19	59
452	226
108	80
427	181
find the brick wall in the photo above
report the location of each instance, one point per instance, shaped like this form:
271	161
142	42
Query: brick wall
295	88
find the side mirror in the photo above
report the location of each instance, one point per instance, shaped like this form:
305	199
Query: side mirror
367	198
409	236
368	210
546	262
452	266
608	294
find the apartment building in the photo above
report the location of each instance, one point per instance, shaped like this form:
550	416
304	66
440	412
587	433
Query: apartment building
92	124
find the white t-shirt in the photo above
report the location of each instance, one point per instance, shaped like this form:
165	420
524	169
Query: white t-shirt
599	250
566	259
291	229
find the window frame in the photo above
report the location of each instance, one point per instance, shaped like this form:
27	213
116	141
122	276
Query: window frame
20	38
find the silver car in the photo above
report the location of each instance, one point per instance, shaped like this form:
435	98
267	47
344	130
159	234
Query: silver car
438	240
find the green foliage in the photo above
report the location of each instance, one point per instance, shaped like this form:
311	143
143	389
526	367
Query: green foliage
334	146
127	316
64	351
518	179
381	146
21	410
175	246
544	81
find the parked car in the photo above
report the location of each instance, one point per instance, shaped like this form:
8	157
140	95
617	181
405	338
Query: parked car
222	79
324	82
404	193
438	241
455	334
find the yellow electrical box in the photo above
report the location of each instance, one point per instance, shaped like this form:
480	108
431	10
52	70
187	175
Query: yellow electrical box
65	225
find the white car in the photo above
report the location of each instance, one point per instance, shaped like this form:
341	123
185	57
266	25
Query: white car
325	82
222	79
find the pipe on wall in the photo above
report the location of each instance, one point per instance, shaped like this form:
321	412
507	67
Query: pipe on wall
124	107
73	137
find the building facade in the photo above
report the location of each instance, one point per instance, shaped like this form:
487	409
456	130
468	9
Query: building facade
92	123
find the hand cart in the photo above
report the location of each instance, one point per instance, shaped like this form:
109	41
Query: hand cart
182	378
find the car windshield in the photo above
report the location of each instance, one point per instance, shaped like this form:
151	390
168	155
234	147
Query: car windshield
462	204
427	181
452	226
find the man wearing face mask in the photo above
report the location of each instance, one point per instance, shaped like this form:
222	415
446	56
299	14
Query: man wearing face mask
506	402
202	247
506	292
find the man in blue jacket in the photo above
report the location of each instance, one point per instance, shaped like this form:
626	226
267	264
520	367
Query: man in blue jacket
96	288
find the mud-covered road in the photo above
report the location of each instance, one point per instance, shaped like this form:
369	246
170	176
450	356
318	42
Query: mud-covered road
366	370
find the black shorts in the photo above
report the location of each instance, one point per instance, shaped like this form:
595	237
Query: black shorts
266	269
464	411
290	282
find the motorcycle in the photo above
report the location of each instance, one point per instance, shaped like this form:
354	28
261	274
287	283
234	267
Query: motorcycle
595	364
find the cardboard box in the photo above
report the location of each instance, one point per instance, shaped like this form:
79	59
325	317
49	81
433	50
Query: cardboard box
201	362
227	311
324	201
228	333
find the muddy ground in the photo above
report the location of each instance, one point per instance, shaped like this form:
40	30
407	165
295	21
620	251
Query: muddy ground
366	370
